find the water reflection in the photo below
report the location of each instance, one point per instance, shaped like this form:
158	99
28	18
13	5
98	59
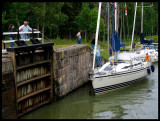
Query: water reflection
119	101
138	101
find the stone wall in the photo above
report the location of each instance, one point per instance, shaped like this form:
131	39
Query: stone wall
8	90
71	66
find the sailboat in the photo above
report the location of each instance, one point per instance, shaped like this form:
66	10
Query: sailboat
118	73
146	47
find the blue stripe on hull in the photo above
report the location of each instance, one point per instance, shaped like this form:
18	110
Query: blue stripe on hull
116	86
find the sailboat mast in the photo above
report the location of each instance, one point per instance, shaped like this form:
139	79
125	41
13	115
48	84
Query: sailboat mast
97	31
134	24
115	53
108	27
142	19
116	17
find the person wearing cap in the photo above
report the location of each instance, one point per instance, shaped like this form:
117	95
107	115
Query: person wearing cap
25	28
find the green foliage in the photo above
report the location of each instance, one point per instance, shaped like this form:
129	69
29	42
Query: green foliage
18	12
93	20
82	19
4	20
65	19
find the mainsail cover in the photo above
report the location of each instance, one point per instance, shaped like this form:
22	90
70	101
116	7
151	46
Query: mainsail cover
144	41
122	44
115	43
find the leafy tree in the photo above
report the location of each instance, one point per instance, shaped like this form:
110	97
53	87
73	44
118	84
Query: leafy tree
70	9
82	19
65	19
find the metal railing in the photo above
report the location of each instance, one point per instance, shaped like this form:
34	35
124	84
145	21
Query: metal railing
18	33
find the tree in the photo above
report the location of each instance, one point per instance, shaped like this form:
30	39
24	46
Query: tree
18	12
65	19
51	11
71	10
82	18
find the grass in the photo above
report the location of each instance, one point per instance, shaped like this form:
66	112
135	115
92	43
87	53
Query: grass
154	38
59	43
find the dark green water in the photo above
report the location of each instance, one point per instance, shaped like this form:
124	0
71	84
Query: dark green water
138	101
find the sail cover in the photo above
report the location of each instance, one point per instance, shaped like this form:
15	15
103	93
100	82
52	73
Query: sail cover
122	44
115	43
144	41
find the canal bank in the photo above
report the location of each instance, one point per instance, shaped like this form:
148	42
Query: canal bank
70	71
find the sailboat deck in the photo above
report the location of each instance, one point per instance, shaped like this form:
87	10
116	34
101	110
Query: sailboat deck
117	69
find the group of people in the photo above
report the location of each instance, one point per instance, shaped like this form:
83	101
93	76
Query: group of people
23	28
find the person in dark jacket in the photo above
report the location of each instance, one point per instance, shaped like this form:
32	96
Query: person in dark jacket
110	52
93	43
133	45
11	36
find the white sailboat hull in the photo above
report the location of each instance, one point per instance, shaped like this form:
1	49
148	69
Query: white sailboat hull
104	84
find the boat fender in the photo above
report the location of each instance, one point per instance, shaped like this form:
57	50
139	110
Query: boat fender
152	68
143	60
155	57
148	71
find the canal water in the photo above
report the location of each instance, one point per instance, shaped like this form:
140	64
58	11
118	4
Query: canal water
138	101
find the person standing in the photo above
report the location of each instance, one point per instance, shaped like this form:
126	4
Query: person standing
147	57
133	45
110	52
93	43
25	28
11	36
98	57
79	37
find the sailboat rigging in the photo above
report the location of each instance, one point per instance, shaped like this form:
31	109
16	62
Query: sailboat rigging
120	73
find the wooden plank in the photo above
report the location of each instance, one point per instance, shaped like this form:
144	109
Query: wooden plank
32	108
32	94
13	58
30	47
3	45
33	79
33	64
8	33
8	41
51	77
